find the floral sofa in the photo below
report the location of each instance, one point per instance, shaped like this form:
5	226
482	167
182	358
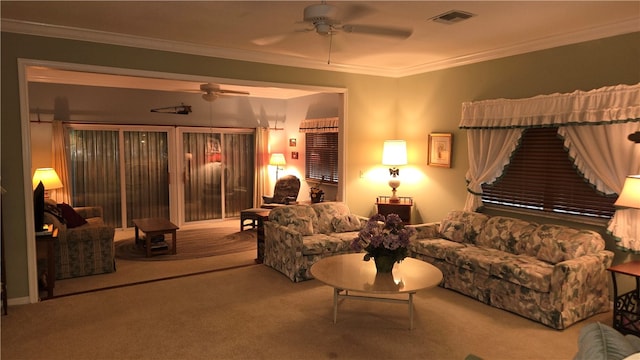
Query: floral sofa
552	274
85	243
296	236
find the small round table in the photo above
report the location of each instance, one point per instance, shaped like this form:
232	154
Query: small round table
350	272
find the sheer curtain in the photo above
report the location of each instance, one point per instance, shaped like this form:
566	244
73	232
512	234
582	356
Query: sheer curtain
59	147
94	168
588	122
605	158
262	160
146	162
489	152
238	152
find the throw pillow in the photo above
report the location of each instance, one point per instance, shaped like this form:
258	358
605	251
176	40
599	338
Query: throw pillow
453	230
51	207
71	217
346	223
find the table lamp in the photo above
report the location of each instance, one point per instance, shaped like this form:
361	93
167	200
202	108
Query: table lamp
277	160
49	179
394	153
630	194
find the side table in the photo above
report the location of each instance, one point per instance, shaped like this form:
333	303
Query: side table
46	241
402	208
257	217
626	311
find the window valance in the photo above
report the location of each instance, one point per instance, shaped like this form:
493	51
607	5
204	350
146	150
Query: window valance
319	125
611	104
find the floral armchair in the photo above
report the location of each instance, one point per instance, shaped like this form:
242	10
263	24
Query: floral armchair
85	243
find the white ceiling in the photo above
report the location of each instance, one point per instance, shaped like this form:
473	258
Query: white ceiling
234	29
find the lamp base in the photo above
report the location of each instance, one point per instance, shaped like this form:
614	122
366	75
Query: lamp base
394	183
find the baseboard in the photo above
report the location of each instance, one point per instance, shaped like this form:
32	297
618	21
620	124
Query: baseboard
18	301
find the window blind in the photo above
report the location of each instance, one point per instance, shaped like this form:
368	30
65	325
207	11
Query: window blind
541	177
322	157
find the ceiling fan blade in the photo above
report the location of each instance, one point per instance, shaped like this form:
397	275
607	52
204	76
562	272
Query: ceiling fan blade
378	30
223	91
355	11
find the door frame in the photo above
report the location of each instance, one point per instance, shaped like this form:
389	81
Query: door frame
23	66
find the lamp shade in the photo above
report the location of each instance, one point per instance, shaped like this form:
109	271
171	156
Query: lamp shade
277	159
394	152
49	178
630	194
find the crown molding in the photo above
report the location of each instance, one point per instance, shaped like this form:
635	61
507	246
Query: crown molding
63	32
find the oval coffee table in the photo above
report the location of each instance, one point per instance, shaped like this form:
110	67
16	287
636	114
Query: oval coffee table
350	272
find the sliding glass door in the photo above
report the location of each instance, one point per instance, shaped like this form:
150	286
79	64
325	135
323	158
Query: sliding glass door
98	170
146	173
127	171
218	170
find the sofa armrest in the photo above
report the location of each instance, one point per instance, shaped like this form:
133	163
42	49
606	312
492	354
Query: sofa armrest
283	249
89	211
581	280
427	230
282	239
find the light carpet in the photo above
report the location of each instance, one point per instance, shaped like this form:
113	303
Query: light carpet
255	312
193	244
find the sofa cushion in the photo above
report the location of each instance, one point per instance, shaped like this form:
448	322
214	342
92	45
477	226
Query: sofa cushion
317	244
474	258
474	223
325	213
453	230
71	217
345	223
555	243
523	270
300	218
435	248
507	234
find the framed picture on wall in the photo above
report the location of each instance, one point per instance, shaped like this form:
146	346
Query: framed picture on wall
440	149
294	155
292	142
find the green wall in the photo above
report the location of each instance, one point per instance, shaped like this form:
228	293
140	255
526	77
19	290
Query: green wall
378	108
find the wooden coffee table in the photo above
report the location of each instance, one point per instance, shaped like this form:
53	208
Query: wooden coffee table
350	273
152	227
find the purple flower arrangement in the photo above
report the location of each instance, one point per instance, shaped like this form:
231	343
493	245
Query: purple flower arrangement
384	237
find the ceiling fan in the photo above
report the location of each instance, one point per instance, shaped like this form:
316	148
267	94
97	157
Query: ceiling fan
213	91
325	20
328	20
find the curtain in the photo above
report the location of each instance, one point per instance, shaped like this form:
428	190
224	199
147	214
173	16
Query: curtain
605	160
489	153
59	148
262	160
146	164
238	152
94	167
605	105
587	122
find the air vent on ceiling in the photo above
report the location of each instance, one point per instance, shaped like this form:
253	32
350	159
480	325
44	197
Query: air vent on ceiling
452	17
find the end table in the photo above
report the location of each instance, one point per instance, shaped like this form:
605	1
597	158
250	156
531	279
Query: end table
626	311
402	208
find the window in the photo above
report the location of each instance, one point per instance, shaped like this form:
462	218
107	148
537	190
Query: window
322	157
541	177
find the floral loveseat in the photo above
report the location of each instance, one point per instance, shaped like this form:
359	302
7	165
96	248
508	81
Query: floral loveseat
296	236
552	274
82	247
